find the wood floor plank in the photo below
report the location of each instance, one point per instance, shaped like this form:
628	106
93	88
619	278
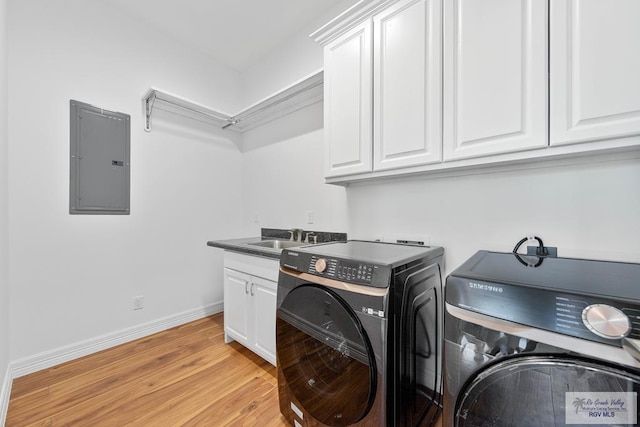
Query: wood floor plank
171	399
175	374
118	354
91	405
233	408
185	376
118	379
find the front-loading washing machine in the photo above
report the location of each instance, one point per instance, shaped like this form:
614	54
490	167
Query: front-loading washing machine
541	342
358	334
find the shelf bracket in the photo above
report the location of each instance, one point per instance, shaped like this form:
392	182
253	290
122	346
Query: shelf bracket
149	101
230	122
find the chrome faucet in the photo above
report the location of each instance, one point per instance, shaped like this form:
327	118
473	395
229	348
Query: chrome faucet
297	232
311	237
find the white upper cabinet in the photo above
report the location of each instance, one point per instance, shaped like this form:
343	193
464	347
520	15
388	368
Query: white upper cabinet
347	102
383	100
595	70
407	84
495	77
437	86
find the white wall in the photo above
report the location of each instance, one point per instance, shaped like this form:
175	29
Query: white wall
283	166
4	247
292	60
73	278
283	180
587	211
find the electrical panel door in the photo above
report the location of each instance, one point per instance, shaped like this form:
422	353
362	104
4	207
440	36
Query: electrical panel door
100	154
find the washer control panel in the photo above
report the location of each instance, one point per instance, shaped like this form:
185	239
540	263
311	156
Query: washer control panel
343	270
598	319
588	318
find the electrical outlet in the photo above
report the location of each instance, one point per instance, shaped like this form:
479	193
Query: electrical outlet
138	302
256	217
310	217
418	239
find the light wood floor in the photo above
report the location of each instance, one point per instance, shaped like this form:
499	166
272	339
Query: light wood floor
182	376
185	376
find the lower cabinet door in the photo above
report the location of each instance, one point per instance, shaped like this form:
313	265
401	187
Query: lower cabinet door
263	293
236	306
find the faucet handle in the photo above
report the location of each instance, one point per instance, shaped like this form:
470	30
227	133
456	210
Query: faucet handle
297	232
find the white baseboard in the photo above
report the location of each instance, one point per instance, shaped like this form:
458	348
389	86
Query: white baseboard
51	358
5	393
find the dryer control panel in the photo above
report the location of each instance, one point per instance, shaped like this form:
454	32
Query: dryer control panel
351	271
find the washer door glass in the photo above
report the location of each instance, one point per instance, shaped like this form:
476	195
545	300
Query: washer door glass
325	356
548	391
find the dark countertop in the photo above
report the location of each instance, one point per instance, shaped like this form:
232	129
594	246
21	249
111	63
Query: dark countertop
242	245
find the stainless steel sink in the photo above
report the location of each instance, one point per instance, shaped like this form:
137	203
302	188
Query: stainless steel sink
277	244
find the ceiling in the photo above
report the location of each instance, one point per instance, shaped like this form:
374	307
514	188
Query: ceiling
236	33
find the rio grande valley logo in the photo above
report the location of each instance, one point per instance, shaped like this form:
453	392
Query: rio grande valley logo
601	408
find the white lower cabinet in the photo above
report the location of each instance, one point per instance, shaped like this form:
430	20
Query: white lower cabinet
250	303
236	306
263	317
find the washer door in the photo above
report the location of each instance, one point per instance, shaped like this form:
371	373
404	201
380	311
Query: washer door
548	391
325	356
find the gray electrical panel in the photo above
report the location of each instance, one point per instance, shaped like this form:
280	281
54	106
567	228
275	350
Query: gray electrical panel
100	154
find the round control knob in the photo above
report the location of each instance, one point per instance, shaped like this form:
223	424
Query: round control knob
606	321
321	265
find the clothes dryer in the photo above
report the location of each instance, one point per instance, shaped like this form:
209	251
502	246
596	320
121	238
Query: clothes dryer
358	334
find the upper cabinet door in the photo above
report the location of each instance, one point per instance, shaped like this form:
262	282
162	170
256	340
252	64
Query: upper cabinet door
495	76
595	70
347	102
407	84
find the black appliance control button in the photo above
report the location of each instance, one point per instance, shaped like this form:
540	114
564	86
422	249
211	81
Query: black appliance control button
606	321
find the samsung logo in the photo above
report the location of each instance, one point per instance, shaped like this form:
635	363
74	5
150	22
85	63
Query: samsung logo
488	288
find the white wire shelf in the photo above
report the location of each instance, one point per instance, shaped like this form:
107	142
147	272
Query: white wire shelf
292	98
